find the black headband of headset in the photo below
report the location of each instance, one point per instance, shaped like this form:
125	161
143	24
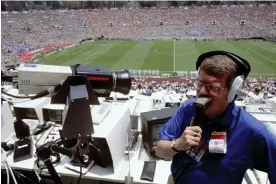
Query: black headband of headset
243	66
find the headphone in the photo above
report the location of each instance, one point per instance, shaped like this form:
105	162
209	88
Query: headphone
243	69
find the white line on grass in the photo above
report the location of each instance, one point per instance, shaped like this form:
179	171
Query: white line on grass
189	53
73	51
274	49
246	50
178	53
100	52
174	55
93	54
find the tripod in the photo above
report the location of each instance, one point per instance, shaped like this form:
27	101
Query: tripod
77	127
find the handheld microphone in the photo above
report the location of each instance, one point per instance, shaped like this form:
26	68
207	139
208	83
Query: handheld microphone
201	104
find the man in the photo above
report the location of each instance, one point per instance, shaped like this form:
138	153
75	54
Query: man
257	97
249	144
148	91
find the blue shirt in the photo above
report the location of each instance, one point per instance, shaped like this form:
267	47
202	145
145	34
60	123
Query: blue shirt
249	145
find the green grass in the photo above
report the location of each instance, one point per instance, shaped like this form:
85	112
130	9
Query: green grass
159	55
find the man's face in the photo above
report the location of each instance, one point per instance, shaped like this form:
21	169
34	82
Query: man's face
216	89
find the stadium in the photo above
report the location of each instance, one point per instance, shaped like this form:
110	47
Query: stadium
158	43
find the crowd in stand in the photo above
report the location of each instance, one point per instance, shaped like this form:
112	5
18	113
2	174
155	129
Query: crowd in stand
149	85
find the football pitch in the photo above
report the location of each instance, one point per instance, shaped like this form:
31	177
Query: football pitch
165	56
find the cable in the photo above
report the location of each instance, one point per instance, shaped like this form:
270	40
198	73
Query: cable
13	177
50	90
80	175
188	164
5	162
18	177
14	96
8	100
28	179
7	171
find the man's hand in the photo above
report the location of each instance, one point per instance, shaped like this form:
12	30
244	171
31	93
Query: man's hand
190	137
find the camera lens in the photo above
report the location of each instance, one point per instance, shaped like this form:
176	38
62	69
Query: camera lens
123	82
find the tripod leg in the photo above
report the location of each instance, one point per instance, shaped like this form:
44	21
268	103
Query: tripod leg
52	171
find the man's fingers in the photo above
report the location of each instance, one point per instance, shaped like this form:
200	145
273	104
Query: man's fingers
192	133
192	143
195	139
196	129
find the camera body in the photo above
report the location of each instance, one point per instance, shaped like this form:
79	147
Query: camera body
33	78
